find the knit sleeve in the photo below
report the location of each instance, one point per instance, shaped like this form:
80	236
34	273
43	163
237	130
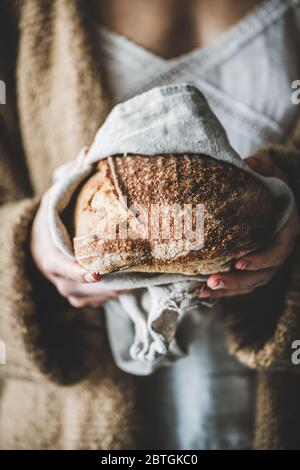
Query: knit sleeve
43	334
262	326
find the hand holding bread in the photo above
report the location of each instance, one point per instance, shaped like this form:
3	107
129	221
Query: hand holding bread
238	215
71	280
258	268
165	148
77	284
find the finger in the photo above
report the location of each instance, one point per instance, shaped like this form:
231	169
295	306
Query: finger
209	293
121	292
78	301
68	288
274	255
263	164
240	280
85	291
59	265
260	162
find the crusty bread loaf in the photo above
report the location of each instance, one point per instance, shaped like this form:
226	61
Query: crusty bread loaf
238	214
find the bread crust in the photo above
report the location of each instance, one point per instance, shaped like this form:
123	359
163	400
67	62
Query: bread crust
238	214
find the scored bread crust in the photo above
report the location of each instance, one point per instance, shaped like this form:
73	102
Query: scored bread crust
238	214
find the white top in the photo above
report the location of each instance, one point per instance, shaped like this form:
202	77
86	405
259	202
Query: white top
246	75
205	400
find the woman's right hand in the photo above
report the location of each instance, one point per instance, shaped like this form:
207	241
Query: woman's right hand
71	280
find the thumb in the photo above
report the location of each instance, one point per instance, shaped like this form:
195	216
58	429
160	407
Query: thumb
263	164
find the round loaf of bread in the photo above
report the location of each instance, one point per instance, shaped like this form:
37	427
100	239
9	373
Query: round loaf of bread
230	212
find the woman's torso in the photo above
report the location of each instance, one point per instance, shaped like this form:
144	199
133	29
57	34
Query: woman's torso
206	399
172	27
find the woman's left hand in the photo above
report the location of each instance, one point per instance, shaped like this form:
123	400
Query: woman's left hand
256	269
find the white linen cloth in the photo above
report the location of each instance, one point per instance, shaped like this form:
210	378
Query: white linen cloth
169	119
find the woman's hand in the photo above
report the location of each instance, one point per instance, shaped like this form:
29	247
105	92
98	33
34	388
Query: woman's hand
71	280
256	269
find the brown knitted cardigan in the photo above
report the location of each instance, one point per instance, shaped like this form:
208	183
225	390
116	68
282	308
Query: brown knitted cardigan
60	388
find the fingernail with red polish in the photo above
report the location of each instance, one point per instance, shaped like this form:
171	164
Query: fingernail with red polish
92	277
242	264
217	284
